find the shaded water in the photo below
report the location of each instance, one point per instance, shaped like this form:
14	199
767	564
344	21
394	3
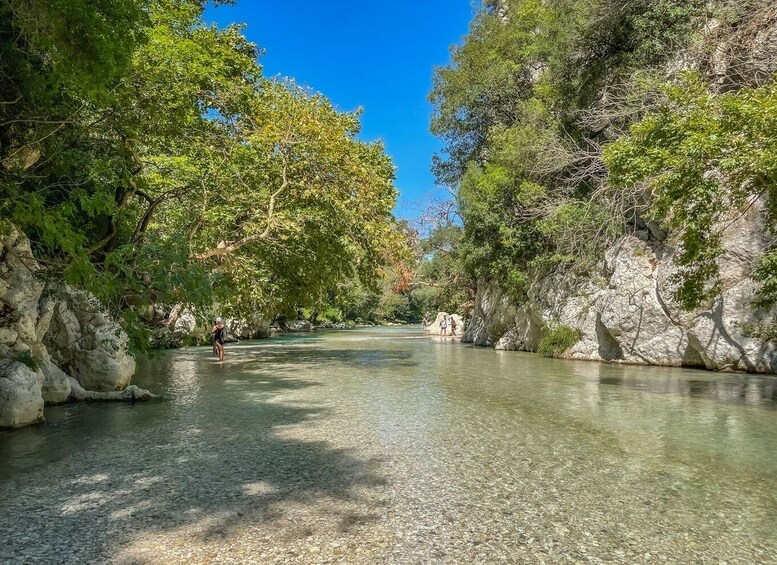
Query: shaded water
383	445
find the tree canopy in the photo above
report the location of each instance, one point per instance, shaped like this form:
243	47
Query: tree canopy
149	161
568	123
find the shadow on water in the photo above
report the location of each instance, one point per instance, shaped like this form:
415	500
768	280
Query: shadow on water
239	452
141	470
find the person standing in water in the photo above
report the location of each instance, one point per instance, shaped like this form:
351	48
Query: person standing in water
453	326
218	338
444	325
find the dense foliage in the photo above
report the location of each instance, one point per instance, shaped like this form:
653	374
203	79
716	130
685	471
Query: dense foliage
556	340
442	283
149	161
568	123
699	156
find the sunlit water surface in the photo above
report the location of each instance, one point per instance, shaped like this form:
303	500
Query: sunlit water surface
383	445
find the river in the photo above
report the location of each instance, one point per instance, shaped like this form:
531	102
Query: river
386	446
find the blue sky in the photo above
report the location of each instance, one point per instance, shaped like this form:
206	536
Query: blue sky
375	54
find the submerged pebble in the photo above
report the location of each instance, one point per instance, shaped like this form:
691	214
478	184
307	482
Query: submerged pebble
366	447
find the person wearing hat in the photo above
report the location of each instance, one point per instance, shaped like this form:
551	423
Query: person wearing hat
218	338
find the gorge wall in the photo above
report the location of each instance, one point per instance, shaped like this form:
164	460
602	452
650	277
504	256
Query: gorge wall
56	343
626	313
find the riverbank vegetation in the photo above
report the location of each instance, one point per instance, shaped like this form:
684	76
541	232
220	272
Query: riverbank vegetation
150	162
572	122
557	340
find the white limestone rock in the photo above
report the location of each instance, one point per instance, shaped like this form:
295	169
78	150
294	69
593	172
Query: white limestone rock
58	329
435	327
511	341
298	326
254	328
182	328
493	316
183	320
56	385
627	314
8	336
130	394
87	344
22	288
21	401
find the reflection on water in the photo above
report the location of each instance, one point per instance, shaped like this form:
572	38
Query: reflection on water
731	388
498	452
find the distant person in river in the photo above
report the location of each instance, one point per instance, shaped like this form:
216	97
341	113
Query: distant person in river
218	338
444	325
426	320
453	325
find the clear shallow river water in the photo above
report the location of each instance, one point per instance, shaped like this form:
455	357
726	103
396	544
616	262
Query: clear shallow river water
382	445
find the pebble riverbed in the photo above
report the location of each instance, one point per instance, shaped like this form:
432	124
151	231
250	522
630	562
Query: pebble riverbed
384	446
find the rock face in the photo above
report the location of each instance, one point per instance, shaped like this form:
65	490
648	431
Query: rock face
21	402
183	320
256	328
51	336
295	326
86	343
182	327
627	314
56	387
435	327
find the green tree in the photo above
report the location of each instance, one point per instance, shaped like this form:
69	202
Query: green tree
529	99
442	282
699	157
149	161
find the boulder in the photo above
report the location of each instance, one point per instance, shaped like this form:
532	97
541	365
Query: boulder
182	328
21	401
493	315
254	328
56	384
21	288
298	326
184	321
179	328
48	331
86	343
434	327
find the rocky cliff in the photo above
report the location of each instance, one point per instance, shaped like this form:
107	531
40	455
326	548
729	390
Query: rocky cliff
56	343
626	314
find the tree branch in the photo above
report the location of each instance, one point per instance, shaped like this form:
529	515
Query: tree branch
142	225
225	249
122	199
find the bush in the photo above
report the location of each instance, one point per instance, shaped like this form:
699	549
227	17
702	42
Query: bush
333	315
28	360
557	340
764	332
703	156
